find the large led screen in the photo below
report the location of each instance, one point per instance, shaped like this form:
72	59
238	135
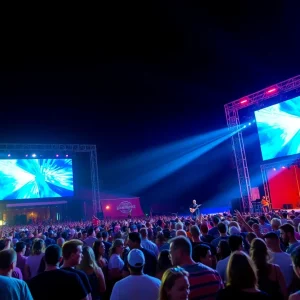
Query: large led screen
35	178
279	129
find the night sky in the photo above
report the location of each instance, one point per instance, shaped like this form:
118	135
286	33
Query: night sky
131	78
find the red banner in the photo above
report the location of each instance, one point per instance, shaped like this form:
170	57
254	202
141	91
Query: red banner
121	208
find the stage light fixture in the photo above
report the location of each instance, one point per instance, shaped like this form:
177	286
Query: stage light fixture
272	90
8	155
244	101
57	155
107	207
26	155
283	167
33	155
67	155
249	124
274	169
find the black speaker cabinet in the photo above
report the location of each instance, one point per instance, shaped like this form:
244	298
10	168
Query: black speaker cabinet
287	206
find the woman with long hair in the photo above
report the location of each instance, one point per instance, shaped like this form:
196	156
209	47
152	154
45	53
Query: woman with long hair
34	259
99	251
163	263
116	264
270	277
241	279
95	275
174	285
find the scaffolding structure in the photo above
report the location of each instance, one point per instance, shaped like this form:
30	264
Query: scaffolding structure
67	149
233	123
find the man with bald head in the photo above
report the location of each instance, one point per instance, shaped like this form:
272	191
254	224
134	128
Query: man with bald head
60	241
11	288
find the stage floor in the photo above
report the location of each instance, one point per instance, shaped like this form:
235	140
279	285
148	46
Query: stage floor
295	209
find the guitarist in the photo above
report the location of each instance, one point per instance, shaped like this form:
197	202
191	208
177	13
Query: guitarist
194	209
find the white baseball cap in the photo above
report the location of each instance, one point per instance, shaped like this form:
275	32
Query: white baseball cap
136	258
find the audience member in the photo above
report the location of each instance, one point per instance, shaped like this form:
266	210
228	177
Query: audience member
241	279
146	244
163	263
52	283
202	254
278	257
72	256
34	259
287	234
204	282
270	277
11	288
134	242
94	273
175	285
138	285
235	244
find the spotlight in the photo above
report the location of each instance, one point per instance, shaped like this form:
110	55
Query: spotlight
249	124
274	169
33	155
67	155
107	207
57	155
283	167
26	155
244	126
8	155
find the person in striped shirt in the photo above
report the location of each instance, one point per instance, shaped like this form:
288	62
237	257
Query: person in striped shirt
205	282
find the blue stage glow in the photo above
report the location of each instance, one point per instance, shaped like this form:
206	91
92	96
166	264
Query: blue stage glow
279	129
35	178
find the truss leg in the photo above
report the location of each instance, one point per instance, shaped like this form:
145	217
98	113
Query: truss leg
240	159
95	182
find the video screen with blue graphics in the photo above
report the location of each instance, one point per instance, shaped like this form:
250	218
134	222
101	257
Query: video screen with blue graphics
35	178
279	129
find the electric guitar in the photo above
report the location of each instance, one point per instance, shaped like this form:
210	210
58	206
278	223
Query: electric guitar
192	210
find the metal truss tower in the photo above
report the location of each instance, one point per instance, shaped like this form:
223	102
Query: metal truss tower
233	122
65	148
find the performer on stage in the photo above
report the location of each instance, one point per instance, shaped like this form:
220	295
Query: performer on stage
265	202
194	209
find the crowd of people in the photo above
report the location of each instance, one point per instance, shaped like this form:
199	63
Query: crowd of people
221	256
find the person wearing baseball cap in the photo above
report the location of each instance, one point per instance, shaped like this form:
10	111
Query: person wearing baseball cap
138	285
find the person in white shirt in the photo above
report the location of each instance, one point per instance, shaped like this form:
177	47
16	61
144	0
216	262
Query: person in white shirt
278	257
148	245
11	288
137	285
235	244
116	263
91	239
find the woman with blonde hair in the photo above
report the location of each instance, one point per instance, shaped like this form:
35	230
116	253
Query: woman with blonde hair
270	277
34	259
241	279
116	264
174	285
94	273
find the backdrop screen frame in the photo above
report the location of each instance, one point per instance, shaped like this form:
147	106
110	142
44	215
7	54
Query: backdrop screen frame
278	129
33	178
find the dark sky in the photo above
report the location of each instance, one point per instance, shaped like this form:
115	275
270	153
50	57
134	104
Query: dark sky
129	78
